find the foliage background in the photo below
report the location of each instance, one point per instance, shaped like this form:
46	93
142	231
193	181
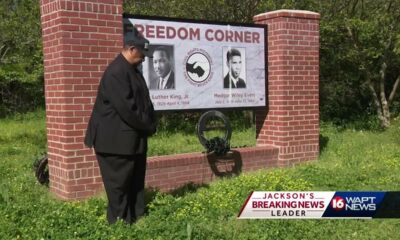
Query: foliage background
344	95
21	57
355	159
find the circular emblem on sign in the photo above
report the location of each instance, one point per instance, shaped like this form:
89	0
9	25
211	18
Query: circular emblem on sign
198	67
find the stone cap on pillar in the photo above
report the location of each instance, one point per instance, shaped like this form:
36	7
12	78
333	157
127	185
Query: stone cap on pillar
286	13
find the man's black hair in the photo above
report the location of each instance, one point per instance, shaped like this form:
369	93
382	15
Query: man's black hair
232	52
162	49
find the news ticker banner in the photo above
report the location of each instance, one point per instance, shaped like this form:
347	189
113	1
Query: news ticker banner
312	205
197	68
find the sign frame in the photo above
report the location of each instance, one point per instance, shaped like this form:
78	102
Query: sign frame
211	22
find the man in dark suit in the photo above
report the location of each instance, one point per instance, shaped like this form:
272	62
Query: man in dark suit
122	119
162	67
234	62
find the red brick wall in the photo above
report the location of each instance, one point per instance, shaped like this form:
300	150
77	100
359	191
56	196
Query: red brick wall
169	172
291	121
81	37
79	40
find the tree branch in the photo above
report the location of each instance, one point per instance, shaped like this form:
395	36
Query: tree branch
3	53
382	82
394	89
376	99
352	36
385	122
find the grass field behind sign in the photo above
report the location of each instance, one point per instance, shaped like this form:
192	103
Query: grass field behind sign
350	160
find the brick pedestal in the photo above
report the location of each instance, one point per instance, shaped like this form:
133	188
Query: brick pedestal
79	39
291	121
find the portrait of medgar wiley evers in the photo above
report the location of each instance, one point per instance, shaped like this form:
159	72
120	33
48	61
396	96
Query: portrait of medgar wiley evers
161	67
234	67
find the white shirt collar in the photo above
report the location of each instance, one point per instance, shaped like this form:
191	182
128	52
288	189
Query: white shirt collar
165	80
234	80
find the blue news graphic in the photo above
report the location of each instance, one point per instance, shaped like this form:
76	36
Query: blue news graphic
307	205
364	204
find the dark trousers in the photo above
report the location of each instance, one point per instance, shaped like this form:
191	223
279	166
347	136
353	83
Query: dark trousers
123	178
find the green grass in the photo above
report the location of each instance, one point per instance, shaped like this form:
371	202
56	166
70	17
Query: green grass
356	160
351	160
171	143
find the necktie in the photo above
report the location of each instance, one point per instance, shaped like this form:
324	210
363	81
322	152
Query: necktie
162	83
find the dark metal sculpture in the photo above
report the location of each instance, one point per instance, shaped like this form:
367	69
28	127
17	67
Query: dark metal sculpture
214	120
42	170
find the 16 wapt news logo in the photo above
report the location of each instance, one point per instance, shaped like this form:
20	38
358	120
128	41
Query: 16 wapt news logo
360	205
364	205
354	203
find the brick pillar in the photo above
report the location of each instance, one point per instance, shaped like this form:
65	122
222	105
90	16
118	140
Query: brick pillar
79	39
291	121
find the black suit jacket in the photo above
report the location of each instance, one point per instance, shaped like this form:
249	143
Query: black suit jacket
123	114
240	84
170	82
